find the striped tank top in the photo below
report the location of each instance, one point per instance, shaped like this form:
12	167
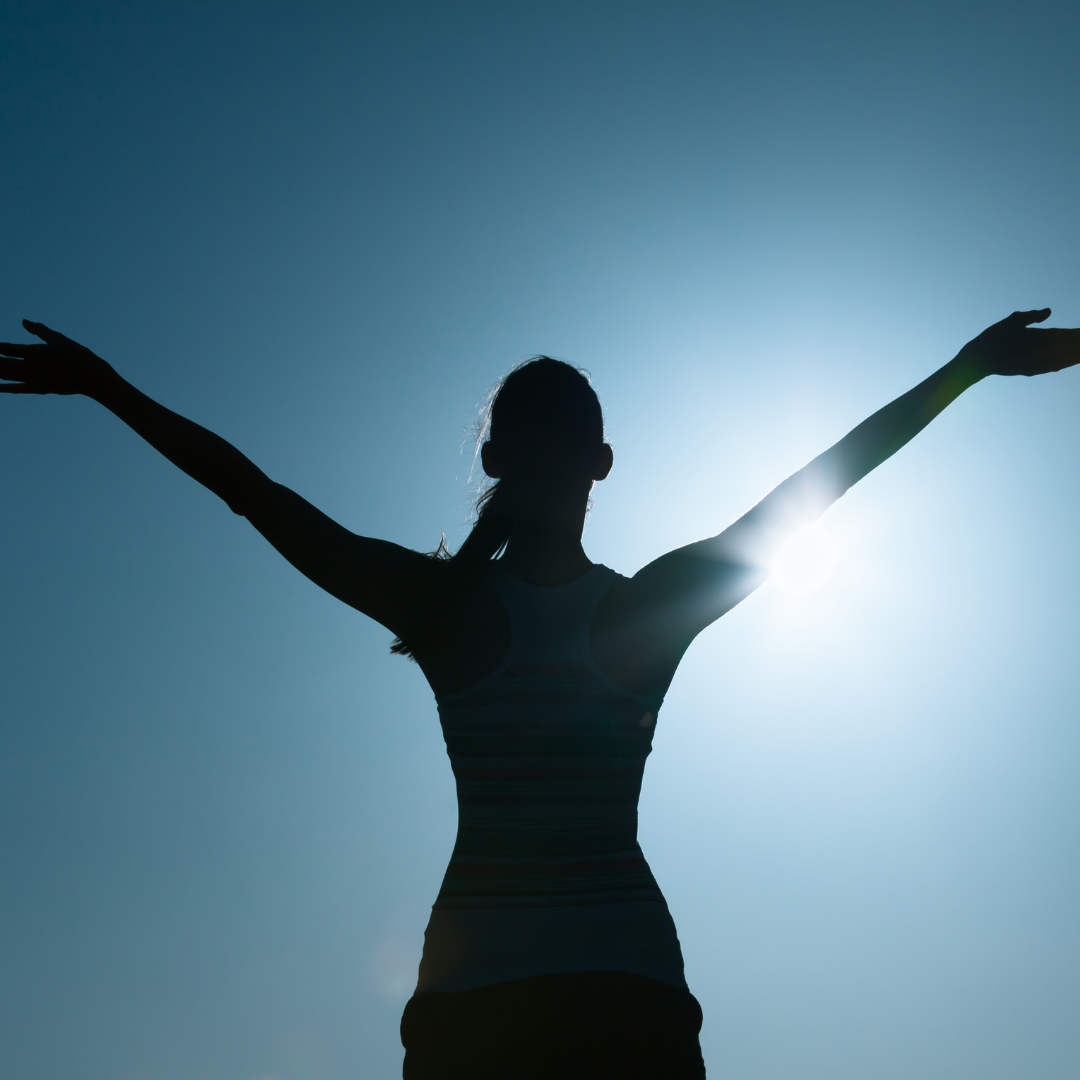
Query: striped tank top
546	876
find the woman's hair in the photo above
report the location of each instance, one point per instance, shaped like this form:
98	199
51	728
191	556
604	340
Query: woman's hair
540	397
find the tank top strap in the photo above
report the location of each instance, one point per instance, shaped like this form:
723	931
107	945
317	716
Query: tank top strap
549	624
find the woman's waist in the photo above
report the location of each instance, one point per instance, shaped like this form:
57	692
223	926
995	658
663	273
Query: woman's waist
475	878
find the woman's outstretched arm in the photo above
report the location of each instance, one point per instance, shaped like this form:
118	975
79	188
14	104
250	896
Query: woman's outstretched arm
689	588
381	579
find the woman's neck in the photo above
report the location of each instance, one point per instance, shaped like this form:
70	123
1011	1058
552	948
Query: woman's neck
545	556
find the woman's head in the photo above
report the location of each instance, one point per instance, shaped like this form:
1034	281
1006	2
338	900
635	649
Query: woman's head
542	442
544	424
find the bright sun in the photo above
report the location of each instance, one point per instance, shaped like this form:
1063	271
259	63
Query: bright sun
806	561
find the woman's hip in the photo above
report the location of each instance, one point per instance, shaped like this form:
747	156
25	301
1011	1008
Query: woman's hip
589	1024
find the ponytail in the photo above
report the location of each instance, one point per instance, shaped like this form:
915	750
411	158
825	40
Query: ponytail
485	541
489	534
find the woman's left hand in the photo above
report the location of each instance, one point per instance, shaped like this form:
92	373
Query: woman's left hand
60	366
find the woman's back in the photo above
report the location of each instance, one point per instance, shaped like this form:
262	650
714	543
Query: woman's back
548	753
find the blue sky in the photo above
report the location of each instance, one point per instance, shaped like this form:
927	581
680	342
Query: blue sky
323	230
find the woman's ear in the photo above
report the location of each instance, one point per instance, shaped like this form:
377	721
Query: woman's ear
489	460
604	461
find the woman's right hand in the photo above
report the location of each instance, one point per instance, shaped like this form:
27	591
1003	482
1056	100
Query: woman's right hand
60	366
1014	347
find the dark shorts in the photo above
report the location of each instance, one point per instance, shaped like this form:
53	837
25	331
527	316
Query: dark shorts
590	1024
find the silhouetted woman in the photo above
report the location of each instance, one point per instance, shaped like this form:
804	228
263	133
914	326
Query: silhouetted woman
550	951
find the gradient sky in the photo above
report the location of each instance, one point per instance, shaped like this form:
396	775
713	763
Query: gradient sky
323	230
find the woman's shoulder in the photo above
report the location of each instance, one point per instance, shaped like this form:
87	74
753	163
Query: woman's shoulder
627	640
461	631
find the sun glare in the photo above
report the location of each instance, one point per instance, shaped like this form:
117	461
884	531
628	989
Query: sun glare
806	561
